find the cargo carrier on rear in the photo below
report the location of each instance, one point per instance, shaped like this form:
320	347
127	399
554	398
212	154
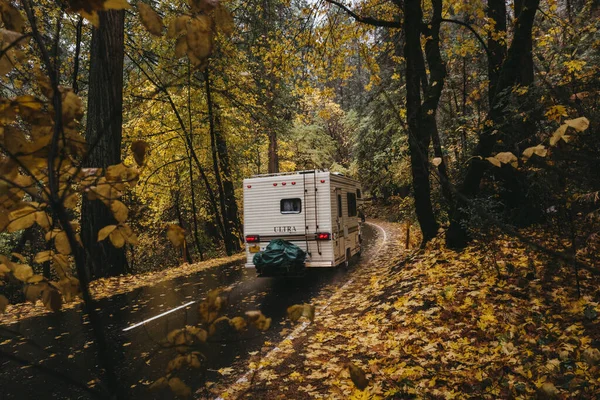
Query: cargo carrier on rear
315	210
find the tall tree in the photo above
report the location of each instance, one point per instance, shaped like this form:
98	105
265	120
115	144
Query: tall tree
103	136
496	42
510	74
419	134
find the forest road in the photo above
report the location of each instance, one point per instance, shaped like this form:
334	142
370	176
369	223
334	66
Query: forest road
63	342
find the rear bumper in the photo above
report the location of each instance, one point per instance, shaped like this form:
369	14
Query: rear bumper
313	264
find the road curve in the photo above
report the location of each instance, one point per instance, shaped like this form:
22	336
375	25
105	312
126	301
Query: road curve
63	342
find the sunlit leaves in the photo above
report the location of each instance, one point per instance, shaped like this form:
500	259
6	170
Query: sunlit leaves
503	158
23	272
150	19
579	124
539	150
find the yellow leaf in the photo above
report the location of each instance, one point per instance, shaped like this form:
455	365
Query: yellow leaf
160	383
224	20
61	242
179	388
52	299
117	239
494	161
437	161
358	376
116	5
29	101
22	218
579	124
507	157
139	149
11	17
119	210
558	134
150	19
104	232
3	303
176	235
23	272
538	150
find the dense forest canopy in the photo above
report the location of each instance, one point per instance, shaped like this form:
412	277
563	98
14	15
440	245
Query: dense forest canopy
128	127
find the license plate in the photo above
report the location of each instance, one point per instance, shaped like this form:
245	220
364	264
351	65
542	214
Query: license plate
254	249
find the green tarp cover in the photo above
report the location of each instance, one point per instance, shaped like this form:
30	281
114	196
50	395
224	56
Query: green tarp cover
279	254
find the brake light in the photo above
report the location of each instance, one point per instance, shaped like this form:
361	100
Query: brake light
323	236
252	239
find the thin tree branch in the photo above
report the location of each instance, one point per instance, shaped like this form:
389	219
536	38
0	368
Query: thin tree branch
367	20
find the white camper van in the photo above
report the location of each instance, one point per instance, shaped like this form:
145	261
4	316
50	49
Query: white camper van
315	210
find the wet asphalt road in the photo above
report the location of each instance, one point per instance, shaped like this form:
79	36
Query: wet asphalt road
64	342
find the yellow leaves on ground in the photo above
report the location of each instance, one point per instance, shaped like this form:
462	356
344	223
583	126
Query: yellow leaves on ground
150	19
211	307
444	325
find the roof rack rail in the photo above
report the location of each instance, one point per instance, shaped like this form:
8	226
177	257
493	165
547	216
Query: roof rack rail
308	171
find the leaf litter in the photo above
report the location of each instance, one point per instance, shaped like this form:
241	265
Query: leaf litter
433	323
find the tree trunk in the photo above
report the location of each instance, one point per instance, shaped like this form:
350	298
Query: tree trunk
433	93
525	76
496	12
419	137
232	244
456	235
273	155
103	136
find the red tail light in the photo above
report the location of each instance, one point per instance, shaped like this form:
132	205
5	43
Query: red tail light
323	236
252	239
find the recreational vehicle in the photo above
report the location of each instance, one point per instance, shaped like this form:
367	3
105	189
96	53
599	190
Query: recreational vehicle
315	210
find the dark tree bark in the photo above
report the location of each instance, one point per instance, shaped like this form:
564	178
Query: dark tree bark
456	235
273	152
103	136
419	137
525	76
224	185
433	92
496	11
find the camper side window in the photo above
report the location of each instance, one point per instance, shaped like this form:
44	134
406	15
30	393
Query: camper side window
291	206
351	205
339	204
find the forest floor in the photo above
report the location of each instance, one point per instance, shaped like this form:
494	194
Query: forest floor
107	287
494	321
